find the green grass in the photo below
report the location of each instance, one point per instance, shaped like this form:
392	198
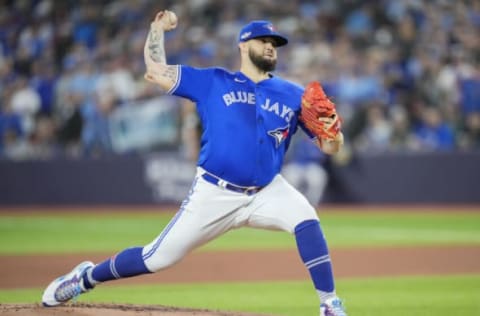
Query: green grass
62	233
408	296
391	228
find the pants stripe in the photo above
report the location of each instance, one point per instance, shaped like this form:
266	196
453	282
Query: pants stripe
162	235
172	222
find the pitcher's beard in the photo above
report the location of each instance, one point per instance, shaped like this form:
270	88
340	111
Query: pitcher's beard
262	63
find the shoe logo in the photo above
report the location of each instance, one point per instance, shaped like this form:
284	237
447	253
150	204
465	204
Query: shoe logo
240	80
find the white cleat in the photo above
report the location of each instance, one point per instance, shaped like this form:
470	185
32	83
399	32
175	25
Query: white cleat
332	307
66	287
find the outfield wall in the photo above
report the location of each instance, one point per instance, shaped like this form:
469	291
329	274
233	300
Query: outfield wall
408	178
165	179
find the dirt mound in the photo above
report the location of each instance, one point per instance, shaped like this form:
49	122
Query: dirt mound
82	309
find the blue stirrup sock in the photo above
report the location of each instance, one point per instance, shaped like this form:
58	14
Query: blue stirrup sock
313	250
125	264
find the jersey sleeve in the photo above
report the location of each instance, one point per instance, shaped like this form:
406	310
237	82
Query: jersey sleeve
300	91
192	83
306	131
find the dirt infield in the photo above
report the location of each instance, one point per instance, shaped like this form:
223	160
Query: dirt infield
257	265
37	271
108	310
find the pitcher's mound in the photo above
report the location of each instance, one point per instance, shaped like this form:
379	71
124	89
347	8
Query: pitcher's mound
83	309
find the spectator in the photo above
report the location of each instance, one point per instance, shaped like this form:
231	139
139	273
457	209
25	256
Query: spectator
43	140
433	133
25	102
10	128
377	133
44	81
401	135
95	134
401	53
470	134
71	126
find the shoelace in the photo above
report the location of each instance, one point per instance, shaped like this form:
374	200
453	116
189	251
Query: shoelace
68	290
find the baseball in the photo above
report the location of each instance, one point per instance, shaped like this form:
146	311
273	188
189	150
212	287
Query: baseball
172	20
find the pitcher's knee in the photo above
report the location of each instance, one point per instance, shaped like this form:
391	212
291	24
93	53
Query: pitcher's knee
161	260
305	224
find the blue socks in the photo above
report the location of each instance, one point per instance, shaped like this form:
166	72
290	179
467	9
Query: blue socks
313	250
125	264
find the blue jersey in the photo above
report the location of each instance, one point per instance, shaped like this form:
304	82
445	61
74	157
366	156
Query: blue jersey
247	126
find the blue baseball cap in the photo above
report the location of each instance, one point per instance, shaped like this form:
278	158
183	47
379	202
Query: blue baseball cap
256	29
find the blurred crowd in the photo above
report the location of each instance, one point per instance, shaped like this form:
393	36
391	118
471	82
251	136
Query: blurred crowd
405	75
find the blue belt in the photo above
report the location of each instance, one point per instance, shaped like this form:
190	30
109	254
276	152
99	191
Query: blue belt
235	188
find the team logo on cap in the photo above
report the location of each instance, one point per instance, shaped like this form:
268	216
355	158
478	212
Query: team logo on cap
270	27
280	134
245	35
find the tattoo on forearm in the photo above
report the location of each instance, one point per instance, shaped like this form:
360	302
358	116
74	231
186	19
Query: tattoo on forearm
156	46
171	73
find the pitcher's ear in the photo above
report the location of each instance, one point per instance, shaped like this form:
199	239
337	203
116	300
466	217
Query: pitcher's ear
242	46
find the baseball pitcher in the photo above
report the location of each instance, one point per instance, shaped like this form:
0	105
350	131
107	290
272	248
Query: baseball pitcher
248	118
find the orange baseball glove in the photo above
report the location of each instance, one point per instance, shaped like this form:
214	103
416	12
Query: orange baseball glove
319	114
